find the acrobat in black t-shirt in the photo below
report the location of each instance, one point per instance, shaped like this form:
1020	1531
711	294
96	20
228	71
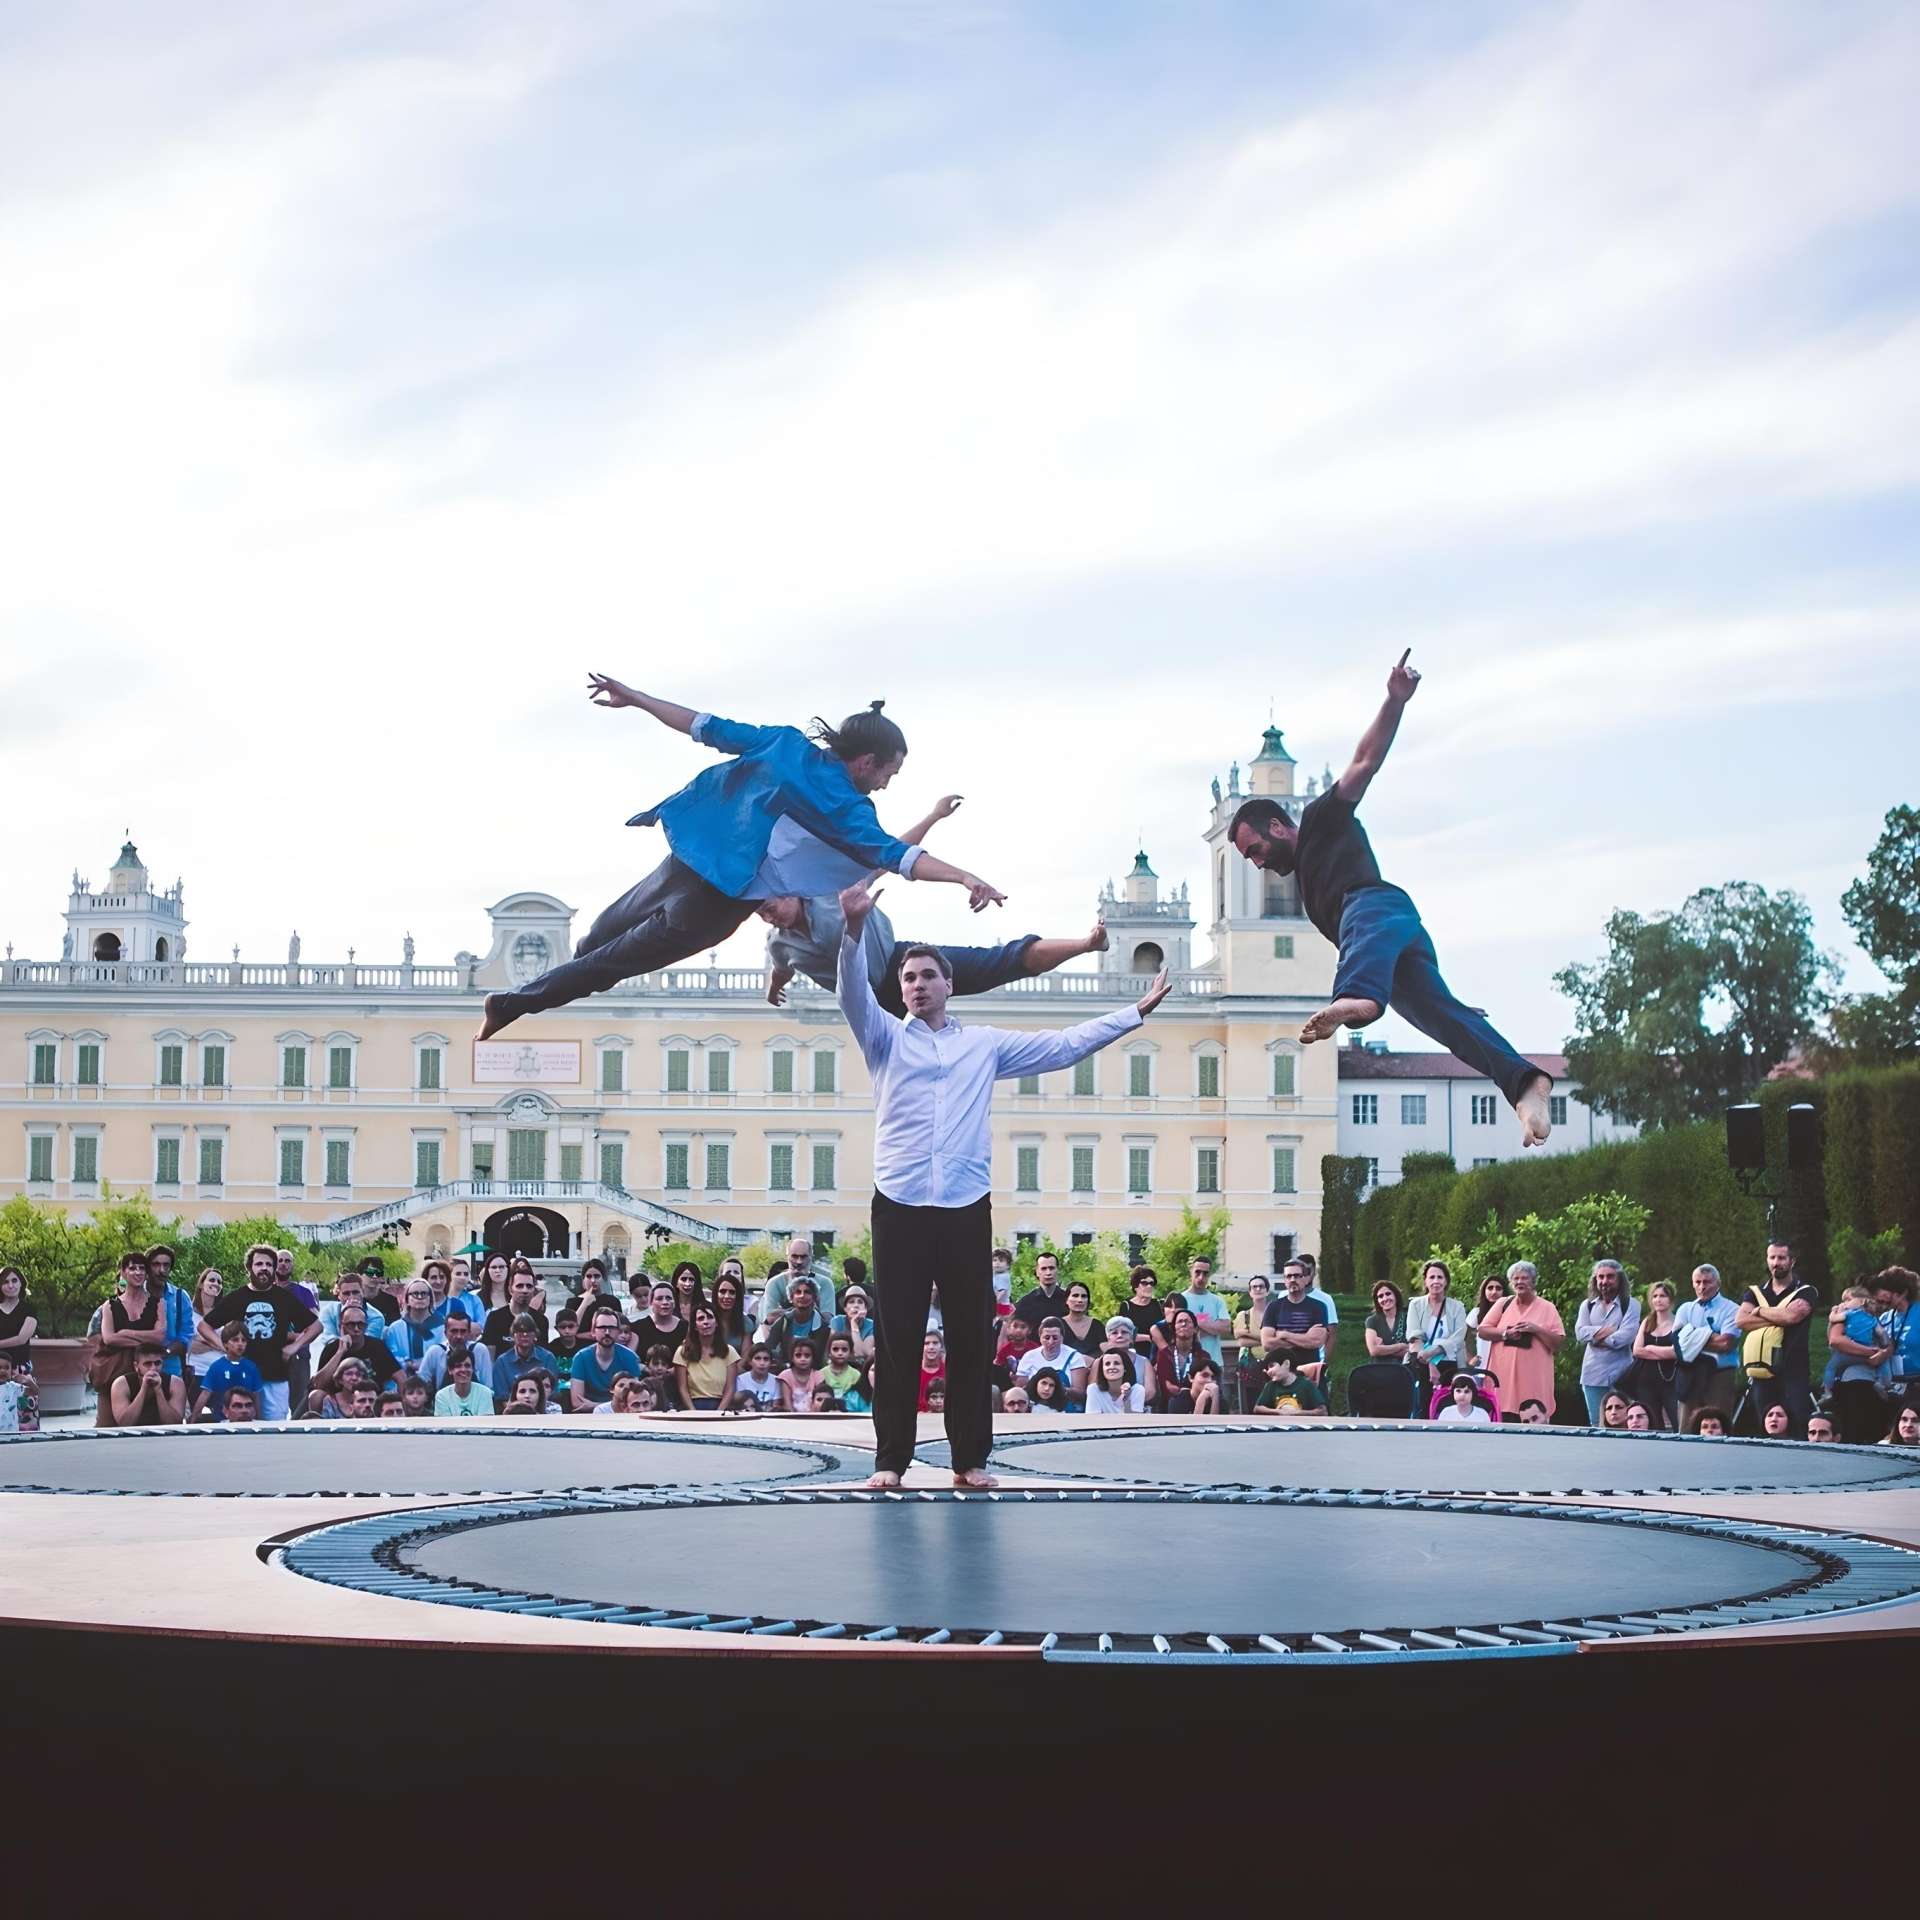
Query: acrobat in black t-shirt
1333	858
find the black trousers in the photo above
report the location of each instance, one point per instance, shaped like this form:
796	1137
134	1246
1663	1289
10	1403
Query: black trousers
670	915
915	1249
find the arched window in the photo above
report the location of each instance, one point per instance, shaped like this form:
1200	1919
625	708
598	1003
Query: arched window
106	946
1148	957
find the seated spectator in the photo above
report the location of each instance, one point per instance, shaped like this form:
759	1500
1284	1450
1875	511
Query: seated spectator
1015	1343
1776	1423
797	1378
594	1290
416	1397
1161	1332
456	1336
1047	1391
532	1393
844	1380
1534	1413
1113	1388
1906	1428
624	1396
238	1406
147	1398
1177	1363
390	1405
704	1367
1053	1355
597	1367
756	1390
730	1306
646	1398
1015	1400
1820	1425
656	1369
933	1364
1640	1417
1709	1422
1287	1389
329	1402
523	1355
801	1316
1463	1406
16	1392
661	1325
409	1337
1613	1410
354	1342
824	1398
855	1320
1205	1384
565	1344
362	1401
496	1331
232	1369
464	1397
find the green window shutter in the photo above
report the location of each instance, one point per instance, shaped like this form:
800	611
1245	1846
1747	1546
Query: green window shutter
717	1166
782	1073
86	1159
1083	1078
1207	1069
1283	946
40	1159
426	1163
429	1069
213	1066
1283	1170
825	1069
45	1054
526	1154
338	1153
719	1071
483	1159
1557	1109
677	1071
87	1068
1207	1170
1026	1161
613	1168
1083	1169
1027	1083
173	1062
678	1177
293	1066
1139	1075
1139	1169
823	1167
212	1159
339	1066
570	1162
166	1163
780	1168
613	1071
293	1163
1283	1076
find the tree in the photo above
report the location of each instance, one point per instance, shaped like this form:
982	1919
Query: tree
1690	1011
1883	909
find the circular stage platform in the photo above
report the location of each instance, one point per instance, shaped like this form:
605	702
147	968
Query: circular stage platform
1431	1458
320	1458
1249	1577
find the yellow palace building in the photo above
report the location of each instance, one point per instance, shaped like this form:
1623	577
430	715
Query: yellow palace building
352	1100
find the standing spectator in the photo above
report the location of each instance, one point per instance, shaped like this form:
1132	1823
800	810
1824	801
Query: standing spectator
1002	1278
1656	1358
496	1333
17	1322
232	1369
1861	1366
409	1337
130	1324
1437	1330
457	1333
705	1365
280	1327
1463	1406
1142	1309
204	1349
1248	1353
300	1361
1898	1290
176	1311
1046	1295
1773	1321
1315	1291
1712	1378
492	1288
1211	1313
1287	1389
147	1397
1527	1331
661	1324
1297	1326
595	1368
350	1290
1493	1288
1177	1364
1078	1328
523	1356
1606	1325
855	1320
1386	1328
1114	1389
463	1397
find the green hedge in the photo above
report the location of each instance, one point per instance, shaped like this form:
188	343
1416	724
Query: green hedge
1869	1180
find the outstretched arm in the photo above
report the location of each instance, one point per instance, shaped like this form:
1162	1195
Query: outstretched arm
873	1031
605	691
943	808
1372	750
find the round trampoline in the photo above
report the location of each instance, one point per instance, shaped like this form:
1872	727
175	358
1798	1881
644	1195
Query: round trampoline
1431	1458
391	1458
1208	1575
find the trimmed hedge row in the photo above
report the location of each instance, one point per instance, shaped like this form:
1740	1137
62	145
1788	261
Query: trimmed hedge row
1870	1179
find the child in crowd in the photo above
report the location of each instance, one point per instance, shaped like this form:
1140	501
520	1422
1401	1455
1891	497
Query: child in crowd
659	1375
416	1398
232	1369
1048	1391
1709	1422
937	1394
564	1345
1016	1341
823	1398
16	1391
1463	1408
1288	1390
846	1382
796	1379
1205	1385
622	1396
756	1390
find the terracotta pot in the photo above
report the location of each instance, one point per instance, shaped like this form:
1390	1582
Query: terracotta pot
60	1367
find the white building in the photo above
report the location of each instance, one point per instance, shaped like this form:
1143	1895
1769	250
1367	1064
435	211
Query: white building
1394	1104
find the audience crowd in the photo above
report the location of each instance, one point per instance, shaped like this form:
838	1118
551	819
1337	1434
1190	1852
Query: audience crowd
456	1342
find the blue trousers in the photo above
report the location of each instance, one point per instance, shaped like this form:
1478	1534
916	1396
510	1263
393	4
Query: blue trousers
1386	955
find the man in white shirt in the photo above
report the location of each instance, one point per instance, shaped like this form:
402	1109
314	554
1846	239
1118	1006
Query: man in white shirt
932	1215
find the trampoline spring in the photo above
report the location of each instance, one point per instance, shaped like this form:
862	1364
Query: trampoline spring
938	1637
834	1632
1421	1637
1161	1644
993	1639
1217	1644
1272	1645
1327	1644
1379	1643
778	1626
1048	1644
1106	1643
882	1633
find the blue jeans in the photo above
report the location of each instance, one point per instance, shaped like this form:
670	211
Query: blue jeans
1387	956
1594	1396
975	970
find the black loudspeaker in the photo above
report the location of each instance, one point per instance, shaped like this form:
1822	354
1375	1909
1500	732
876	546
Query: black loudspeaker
1747	1139
1803	1138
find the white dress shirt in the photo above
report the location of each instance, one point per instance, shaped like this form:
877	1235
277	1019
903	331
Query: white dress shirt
933	1089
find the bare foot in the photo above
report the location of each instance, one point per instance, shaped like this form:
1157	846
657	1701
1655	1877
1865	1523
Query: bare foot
494	1019
976	1477
1535	1115
1097	939
883	1482
1342	1013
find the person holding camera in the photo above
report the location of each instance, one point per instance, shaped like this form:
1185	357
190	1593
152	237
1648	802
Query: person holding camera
1523	1332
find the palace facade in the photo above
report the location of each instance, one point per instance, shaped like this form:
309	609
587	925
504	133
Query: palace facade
352	1100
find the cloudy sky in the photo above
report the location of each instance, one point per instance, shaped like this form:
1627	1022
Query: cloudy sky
1086	379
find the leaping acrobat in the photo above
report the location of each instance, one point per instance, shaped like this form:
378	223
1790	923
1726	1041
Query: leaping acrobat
1386	955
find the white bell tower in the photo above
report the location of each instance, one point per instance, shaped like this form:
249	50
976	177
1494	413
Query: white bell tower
127	920
1144	932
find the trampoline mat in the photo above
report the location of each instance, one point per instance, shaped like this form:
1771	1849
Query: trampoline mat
1087	1566
1447	1459
329	1458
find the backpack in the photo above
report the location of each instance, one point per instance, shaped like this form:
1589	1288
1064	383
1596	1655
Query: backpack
1760	1350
